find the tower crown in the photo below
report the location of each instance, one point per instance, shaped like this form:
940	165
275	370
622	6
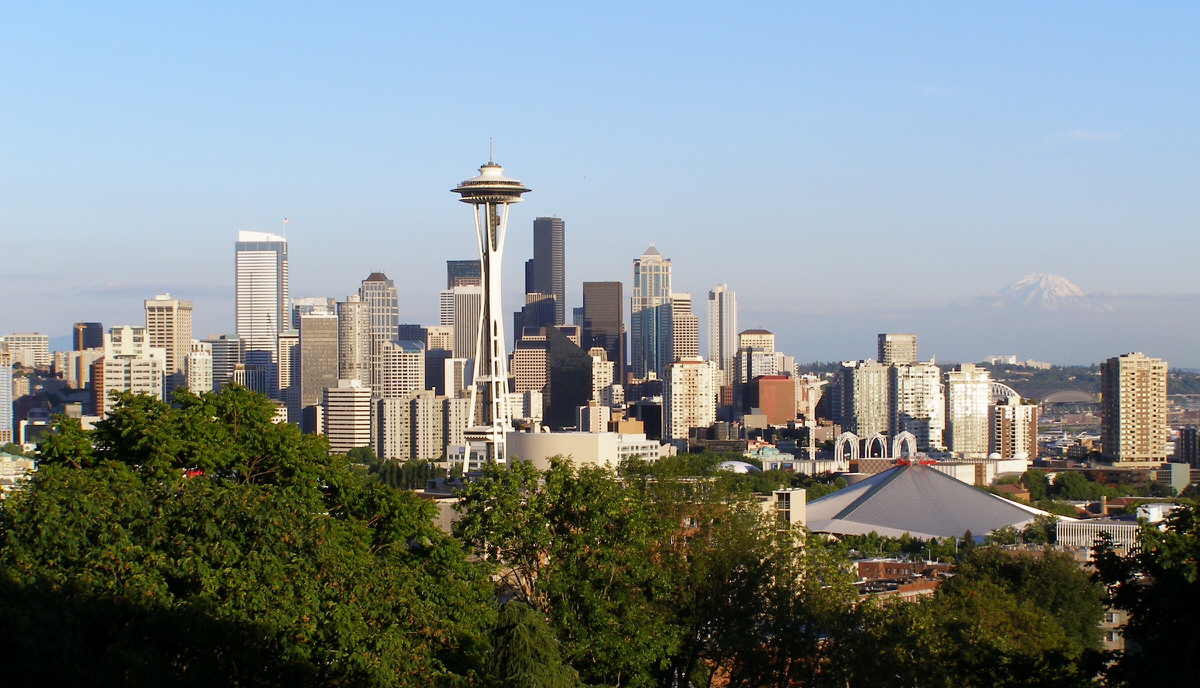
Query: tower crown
491	186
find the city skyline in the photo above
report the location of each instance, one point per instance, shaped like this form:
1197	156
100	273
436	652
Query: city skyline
976	145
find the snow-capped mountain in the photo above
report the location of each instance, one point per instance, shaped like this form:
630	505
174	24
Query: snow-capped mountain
1047	293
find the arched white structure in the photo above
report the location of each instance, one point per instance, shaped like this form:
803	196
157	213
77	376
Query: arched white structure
839	447
905	440
876	440
1003	391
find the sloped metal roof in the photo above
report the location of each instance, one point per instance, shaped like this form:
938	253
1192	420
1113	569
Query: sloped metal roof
918	500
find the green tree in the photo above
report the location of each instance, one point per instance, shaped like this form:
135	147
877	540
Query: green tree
206	545
1037	483
1158	583
524	652
657	578
1000	621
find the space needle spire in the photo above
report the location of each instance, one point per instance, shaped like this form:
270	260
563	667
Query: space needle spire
491	193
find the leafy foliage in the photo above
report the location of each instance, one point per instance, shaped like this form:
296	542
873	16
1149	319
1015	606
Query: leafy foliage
204	545
658	579
1158	583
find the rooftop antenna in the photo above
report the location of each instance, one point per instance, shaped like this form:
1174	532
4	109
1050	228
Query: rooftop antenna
491	157
285	225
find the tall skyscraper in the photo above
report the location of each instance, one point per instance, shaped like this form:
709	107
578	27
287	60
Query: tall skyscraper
722	331
491	194
545	274
685	328
898	349
604	322
169	327
650	314
379	293
355	340
261	299
968	395
88	335
1133	424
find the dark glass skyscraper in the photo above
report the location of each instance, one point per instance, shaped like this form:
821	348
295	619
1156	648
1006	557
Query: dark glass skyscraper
545	274
604	324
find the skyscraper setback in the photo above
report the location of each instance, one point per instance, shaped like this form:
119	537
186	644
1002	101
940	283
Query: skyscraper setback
545	273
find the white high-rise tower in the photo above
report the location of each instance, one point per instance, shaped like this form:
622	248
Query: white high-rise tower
491	193
261	305
722	330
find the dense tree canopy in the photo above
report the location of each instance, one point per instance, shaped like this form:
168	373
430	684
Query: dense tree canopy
205	545
659	579
201	544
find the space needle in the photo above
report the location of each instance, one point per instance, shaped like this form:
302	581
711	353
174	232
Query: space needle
491	193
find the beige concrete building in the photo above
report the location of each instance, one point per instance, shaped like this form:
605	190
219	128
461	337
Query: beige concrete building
1133	427
169	327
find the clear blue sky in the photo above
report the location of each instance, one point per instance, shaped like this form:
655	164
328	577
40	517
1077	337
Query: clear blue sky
837	164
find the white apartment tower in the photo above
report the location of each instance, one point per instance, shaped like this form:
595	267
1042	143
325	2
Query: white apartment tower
722	330
917	404
864	386
689	397
131	364
169	327
356	349
198	367
968	395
